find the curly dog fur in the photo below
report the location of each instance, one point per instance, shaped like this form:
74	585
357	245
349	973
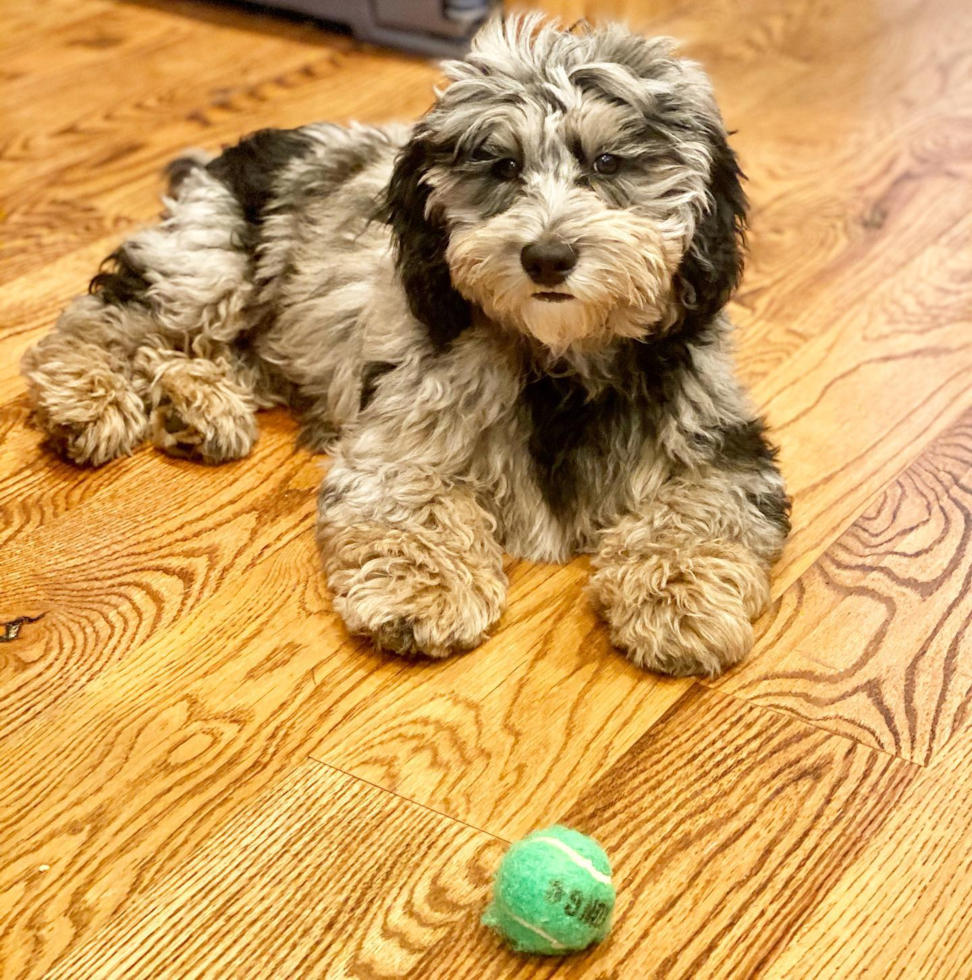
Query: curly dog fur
505	322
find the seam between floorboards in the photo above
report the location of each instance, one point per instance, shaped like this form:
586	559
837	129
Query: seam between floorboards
406	799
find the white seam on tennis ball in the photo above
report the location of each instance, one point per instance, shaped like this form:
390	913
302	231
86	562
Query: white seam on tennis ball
529	925
578	859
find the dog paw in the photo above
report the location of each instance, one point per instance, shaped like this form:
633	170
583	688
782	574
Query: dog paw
682	611
198	413
411	594
95	422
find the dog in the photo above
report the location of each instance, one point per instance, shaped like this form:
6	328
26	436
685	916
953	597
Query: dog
507	325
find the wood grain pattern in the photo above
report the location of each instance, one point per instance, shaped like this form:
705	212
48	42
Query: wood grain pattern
85	173
155	754
472	741
353	882
189	735
726	824
910	886
111	573
867	394
873	642
158	749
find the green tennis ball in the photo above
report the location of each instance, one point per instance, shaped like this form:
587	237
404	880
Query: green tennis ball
552	893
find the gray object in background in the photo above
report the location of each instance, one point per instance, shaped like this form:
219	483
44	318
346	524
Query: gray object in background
440	28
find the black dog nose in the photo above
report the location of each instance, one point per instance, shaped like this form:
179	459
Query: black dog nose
549	263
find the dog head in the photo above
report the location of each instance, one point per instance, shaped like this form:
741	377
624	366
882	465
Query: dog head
575	187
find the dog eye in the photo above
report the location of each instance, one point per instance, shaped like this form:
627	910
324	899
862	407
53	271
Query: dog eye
508	169
607	164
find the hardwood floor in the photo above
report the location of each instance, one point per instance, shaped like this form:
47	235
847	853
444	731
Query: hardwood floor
203	776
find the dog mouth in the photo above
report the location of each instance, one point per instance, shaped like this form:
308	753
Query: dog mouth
548	297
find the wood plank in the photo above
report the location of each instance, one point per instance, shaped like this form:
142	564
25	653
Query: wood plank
866	395
872	186
726	825
36	486
130	561
118	787
119	784
105	188
475	739
324	876
157	52
56	43
24	20
175	86
874	642
901	909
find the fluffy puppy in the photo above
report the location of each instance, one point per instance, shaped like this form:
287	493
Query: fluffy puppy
507	325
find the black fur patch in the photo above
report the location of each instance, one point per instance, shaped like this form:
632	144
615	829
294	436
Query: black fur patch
713	264
571	430
775	507
566	427
373	370
421	245
251	168
745	446
742	446
121	279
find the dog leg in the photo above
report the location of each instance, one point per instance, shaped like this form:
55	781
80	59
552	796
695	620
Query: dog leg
410	553
680	582
412	562
181	288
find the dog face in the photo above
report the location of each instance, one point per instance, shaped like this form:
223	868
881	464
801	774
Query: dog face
577	188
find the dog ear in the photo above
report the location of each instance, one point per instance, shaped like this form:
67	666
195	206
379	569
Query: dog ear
712	266
420	246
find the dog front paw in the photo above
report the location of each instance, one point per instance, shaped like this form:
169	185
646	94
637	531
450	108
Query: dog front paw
414	592
683	610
